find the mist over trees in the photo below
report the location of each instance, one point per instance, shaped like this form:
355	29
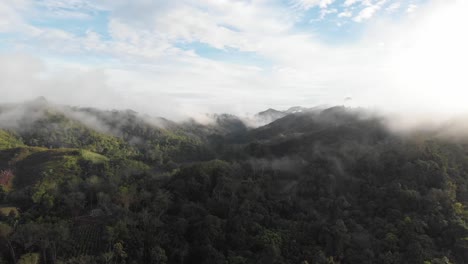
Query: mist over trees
318	186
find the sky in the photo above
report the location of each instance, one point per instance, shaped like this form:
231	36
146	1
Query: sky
186	57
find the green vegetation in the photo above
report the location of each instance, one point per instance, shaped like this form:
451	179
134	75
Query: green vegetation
321	187
93	157
8	140
55	130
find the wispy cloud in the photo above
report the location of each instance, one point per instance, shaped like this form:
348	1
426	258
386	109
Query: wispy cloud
393	7
411	8
369	11
345	13
307	4
351	2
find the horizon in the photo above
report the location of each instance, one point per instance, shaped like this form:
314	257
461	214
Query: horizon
398	123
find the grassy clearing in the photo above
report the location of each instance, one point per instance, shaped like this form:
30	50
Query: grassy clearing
93	157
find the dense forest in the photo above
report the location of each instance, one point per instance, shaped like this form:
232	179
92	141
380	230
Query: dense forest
316	186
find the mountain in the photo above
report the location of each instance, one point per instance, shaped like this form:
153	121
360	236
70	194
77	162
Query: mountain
320	185
268	116
297	109
112	133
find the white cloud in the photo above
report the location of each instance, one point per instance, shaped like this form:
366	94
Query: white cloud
324	12
308	4
427	58
366	13
11	18
393	7
345	13
411	8
351	2
369	11
220	24
66	9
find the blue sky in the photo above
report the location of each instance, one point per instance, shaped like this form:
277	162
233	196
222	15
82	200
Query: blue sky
329	21
230	55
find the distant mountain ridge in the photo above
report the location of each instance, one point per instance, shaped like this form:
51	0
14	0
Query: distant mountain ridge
270	115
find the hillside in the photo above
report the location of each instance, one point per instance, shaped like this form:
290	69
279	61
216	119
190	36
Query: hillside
8	140
82	185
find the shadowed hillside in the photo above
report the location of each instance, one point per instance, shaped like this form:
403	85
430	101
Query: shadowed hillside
82	185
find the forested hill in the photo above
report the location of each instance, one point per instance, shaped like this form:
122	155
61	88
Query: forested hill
317	186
